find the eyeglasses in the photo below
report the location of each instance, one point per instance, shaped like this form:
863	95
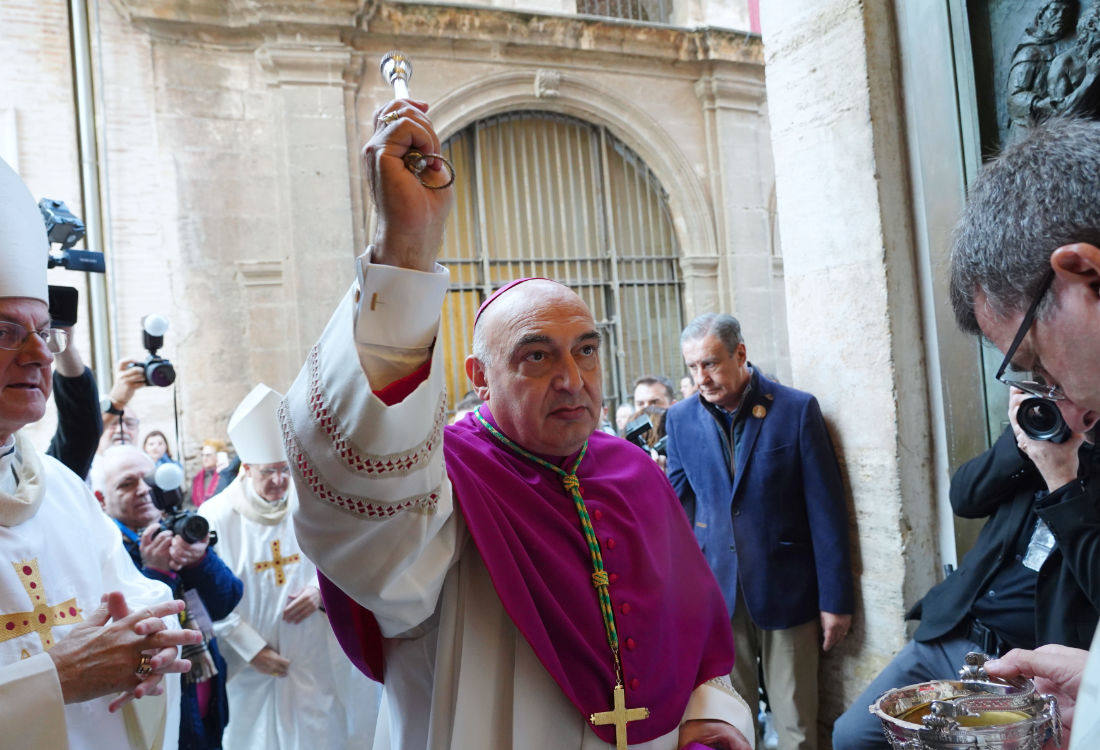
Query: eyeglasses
13	336
1029	382
283	471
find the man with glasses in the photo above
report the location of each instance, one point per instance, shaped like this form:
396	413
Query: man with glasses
1025	582
288	682
80	629
1025	273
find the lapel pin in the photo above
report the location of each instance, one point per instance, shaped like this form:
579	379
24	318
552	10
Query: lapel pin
759	411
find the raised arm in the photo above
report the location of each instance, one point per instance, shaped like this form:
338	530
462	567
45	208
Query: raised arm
375	510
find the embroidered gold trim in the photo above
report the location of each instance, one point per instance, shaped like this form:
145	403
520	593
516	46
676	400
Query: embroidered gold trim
351	455
354	504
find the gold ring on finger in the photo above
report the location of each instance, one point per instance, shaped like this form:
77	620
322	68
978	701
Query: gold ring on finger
144	667
417	163
389	117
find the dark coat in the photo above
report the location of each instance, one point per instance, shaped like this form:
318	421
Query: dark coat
779	523
220	592
79	421
1002	484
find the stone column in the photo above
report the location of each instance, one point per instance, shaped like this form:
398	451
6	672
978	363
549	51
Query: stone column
852	300
315	158
740	173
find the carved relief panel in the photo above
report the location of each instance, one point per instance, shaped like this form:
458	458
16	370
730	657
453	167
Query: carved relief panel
1033	59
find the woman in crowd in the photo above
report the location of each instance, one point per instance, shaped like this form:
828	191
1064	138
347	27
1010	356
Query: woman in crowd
205	483
156	447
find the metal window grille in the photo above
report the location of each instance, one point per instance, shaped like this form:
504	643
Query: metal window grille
651	11
542	194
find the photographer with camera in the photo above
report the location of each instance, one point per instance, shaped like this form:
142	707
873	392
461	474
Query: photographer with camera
1025	273
173	546
1020	586
120	422
646	429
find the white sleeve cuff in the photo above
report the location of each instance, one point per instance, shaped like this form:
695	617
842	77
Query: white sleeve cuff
397	307
717	700
245	641
32	706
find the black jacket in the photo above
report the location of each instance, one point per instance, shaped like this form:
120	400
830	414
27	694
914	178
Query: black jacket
1002	483
79	421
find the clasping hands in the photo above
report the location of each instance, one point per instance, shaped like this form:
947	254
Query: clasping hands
100	656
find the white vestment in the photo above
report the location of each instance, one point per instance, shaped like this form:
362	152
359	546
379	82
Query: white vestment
1086	715
69	553
376	514
306	709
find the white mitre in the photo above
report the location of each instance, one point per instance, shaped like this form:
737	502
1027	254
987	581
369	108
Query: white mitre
24	248
254	428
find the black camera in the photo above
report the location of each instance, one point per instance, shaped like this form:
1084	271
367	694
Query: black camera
637	430
65	229
169	500
1040	419
158	370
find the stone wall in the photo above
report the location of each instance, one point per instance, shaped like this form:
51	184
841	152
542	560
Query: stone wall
852	300
230	135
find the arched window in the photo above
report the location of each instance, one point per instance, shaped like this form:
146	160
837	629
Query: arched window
542	194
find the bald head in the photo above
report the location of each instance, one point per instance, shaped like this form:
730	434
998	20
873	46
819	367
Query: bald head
536	362
121	488
514	303
118	455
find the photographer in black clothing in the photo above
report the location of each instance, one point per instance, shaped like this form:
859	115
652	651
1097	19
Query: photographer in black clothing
1027	581
79	419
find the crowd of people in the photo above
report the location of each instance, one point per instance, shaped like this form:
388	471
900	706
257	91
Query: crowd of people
520	577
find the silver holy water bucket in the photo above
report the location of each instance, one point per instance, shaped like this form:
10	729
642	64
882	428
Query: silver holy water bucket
975	711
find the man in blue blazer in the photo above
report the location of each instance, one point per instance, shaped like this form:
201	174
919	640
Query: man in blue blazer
753	464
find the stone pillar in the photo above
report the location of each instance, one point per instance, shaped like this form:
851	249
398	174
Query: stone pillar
852	300
740	173
700	284
315	159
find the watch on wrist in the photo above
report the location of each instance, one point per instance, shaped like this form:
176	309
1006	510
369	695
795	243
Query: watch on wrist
108	406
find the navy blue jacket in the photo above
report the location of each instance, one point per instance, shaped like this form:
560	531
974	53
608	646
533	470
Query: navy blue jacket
220	591
778	523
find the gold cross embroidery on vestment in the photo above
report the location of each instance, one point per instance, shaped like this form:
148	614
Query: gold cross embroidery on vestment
277	562
43	617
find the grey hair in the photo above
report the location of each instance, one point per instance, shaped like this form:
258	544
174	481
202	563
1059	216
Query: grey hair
724	327
1038	195
479	347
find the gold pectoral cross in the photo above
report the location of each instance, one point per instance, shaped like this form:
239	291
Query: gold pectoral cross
620	716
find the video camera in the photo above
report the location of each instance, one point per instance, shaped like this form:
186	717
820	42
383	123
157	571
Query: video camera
158	370
637	430
65	229
168	499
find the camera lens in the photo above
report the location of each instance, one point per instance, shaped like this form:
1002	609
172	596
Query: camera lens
1040	419
160	374
192	528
